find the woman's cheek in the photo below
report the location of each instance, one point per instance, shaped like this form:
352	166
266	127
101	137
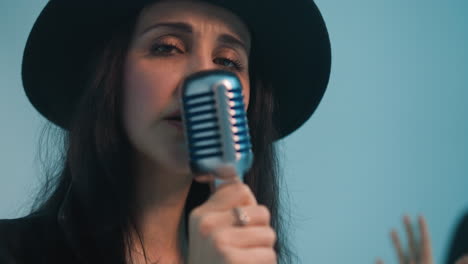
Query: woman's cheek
145	91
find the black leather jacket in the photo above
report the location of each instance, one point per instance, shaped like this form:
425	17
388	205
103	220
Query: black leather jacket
54	236
33	239
459	246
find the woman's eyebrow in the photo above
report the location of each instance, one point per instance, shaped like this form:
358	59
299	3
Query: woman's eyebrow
231	40
179	26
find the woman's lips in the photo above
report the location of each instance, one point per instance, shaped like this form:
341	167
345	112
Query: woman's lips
174	119
175	123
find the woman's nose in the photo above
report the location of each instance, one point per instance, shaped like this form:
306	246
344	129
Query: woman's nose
200	61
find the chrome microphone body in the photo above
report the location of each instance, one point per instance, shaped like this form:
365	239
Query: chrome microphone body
215	124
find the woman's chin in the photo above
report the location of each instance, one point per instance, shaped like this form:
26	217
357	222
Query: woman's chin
182	167
179	162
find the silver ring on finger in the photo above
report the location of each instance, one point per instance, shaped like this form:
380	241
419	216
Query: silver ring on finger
242	219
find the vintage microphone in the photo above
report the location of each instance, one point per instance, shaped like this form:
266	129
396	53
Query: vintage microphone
215	124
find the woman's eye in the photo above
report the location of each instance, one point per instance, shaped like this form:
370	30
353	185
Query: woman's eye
165	49
229	63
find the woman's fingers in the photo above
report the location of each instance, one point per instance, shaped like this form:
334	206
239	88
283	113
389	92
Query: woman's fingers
398	247
204	178
258	215
230	195
230	227
425	247
252	256
463	260
226	176
419	252
413	249
246	237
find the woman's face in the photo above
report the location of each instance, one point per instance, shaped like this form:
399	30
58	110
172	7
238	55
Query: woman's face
172	40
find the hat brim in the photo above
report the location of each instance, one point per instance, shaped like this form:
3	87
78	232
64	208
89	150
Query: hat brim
294	51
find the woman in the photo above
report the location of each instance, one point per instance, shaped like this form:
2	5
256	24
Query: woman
109	74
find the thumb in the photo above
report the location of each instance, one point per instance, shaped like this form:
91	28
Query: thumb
463	260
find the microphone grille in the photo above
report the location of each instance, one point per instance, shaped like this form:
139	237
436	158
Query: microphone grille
216	126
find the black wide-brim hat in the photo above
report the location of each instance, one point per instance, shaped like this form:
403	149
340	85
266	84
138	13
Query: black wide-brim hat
291	39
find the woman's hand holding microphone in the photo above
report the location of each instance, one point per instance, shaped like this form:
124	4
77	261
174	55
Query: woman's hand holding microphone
231	228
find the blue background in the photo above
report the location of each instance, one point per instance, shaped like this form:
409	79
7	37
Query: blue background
390	136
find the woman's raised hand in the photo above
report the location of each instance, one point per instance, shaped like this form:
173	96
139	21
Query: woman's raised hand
419	250
231	228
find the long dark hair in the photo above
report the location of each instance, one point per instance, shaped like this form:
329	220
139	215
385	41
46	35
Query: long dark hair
89	186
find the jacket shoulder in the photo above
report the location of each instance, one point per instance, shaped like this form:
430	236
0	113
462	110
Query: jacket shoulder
12	229
23	238
459	244
10	236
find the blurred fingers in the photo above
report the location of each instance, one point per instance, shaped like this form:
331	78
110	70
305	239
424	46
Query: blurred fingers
413	248
426	251
398	247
